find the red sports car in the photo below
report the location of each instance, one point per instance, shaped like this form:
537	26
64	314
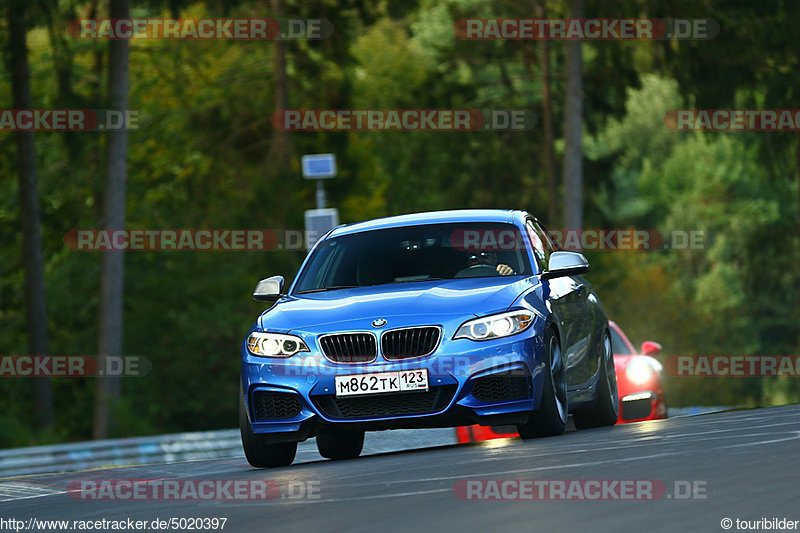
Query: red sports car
641	392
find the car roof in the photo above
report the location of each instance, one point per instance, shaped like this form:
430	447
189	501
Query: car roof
431	217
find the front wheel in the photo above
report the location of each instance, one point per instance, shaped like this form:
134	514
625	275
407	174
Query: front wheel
605	409
551	417
259	452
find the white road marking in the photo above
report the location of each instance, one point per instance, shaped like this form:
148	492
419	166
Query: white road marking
15	490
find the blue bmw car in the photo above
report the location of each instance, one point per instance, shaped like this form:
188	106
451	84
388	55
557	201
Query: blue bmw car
427	320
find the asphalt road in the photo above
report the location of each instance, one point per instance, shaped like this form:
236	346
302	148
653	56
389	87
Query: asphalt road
741	465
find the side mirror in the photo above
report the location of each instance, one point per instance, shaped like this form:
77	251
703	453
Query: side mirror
565	264
268	290
651	348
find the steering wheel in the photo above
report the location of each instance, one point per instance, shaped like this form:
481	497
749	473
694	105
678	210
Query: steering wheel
477	271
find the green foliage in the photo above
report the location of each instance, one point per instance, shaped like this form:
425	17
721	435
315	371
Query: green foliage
725	292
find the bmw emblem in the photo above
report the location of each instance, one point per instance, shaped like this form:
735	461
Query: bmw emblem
379	322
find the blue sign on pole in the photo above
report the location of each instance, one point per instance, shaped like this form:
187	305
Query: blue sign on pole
319	166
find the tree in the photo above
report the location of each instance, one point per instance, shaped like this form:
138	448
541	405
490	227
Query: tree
547	119
33	259
281	144
112	267
573	125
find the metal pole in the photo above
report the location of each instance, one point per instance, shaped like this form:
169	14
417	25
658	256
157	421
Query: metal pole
320	195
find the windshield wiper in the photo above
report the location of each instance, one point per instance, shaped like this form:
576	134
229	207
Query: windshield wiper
331	288
335	287
418	279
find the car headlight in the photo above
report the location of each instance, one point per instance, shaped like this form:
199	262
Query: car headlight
639	371
495	326
274	344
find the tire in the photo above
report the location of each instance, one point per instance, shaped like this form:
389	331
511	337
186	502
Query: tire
605	409
259	452
340	445
551	417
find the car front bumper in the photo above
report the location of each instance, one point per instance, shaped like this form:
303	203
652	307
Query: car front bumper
488	382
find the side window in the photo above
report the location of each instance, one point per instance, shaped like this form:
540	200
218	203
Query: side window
539	247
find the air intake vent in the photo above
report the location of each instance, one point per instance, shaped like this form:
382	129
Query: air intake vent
271	405
501	387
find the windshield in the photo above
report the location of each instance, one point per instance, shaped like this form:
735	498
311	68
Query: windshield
619	345
416	253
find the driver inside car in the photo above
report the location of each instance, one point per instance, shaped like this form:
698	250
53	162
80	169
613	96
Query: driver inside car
488	258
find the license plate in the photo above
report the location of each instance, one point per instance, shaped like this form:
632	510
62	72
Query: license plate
404	380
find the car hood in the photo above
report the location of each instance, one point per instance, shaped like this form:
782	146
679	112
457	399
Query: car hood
402	304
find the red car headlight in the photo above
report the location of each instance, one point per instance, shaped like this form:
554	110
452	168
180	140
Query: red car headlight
639	371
